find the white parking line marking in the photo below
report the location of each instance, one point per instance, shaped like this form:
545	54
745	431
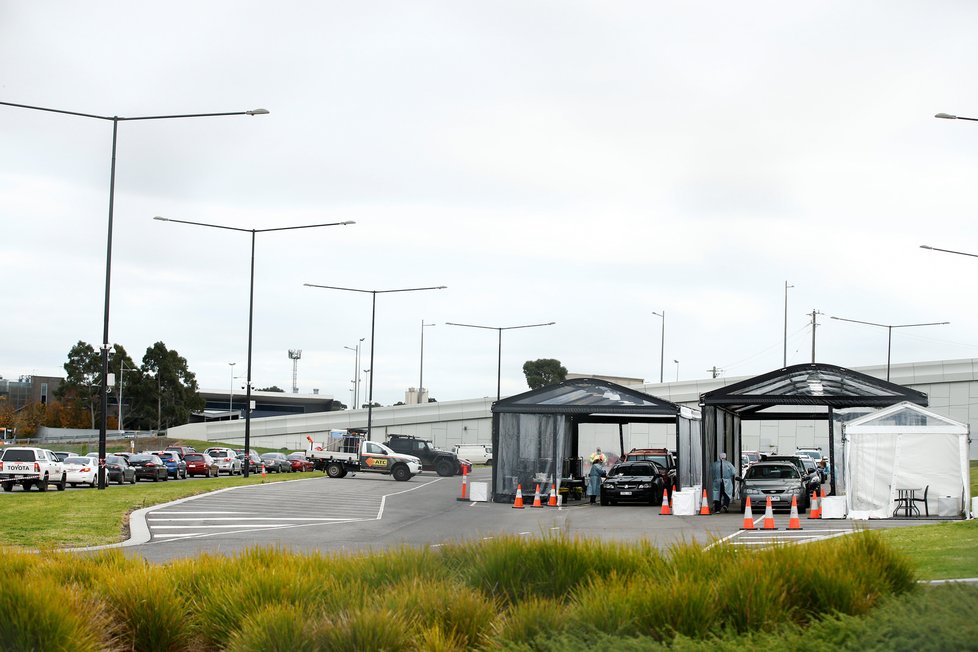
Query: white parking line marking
242	518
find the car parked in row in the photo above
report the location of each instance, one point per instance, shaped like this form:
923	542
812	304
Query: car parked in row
299	462
176	468
809	472
227	460
117	469
149	467
276	463
201	464
81	470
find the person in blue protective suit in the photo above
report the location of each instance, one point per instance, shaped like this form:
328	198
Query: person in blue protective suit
723	474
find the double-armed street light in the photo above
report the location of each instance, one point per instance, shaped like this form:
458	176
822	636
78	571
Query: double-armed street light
499	357
889	334
251	305
373	314
115	120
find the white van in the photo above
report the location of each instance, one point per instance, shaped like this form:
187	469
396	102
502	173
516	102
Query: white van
475	453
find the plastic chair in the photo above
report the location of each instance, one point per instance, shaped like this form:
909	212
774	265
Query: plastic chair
922	500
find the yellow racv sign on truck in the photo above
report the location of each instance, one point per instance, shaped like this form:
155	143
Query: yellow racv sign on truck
351	453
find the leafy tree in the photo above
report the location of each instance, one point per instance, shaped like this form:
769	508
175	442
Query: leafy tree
165	391
83	375
543	372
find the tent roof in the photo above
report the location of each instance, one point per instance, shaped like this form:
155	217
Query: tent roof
905	417
810	384
588	397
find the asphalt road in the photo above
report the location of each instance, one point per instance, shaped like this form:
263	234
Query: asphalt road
370	511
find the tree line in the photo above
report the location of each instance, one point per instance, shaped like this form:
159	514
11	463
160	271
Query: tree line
155	394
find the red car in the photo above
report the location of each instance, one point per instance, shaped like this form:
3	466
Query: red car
299	462
201	464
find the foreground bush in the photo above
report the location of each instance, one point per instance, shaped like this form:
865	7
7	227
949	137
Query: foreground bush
509	593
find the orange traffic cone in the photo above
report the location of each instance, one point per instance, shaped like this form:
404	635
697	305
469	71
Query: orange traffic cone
768	523
793	522
465	485
263	470
815	506
518	504
552	501
748	516
705	505
665	510
536	498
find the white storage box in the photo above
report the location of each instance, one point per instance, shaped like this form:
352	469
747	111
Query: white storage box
834	507
479	492
684	502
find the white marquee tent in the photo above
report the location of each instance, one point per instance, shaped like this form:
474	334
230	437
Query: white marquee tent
906	447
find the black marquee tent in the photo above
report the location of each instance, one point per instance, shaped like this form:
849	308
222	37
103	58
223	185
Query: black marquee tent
535	434
813	392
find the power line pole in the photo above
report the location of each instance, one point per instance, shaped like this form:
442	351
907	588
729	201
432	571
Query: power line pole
814	325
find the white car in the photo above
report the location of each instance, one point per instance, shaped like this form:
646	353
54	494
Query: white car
81	470
227	460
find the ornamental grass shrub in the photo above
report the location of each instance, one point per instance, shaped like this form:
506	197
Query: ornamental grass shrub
509	593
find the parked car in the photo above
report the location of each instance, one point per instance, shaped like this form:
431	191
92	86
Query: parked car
639	481
254	461
475	453
661	456
809	472
175	466
227	460
29	466
444	463
201	464
81	470
814	453
276	463
63	455
117	469
780	481
181	450
149	467
299	462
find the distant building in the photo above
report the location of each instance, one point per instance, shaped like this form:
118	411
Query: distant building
221	405
29	389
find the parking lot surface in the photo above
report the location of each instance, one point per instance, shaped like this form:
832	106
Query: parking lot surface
367	511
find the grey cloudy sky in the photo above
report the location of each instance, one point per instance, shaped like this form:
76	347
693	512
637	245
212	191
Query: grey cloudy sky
586	163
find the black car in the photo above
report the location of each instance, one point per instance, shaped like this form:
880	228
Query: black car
635	482
117	469
150	467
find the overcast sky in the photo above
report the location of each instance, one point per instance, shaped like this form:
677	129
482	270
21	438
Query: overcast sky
587	163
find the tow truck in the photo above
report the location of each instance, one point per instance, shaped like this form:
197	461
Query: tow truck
346	452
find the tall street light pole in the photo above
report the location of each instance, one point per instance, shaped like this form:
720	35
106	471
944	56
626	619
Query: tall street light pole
356	367
231	395
251	306
889	334
499	355
677	370
662	346
421	375
115	120
373	315
784	363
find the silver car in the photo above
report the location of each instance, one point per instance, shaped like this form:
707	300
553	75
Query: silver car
227	460
779	481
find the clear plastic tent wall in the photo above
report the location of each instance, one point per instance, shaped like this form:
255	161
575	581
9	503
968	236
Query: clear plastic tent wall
906	447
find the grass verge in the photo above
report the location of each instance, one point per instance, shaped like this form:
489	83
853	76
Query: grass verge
89	517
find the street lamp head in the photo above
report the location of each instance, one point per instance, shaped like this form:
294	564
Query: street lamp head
161	219
946	116
257	112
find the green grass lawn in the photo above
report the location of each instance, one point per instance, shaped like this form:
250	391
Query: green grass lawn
89	517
